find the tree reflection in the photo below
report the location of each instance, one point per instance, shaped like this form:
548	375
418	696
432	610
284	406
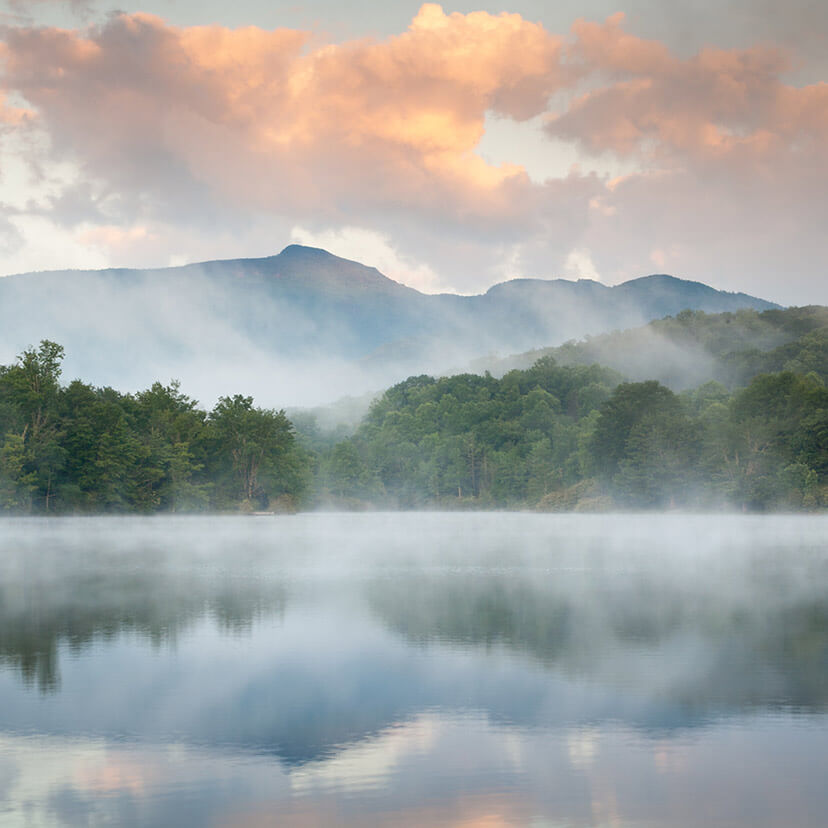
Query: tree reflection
77	600
704	644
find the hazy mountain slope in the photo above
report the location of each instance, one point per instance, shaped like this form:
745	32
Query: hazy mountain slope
556	310
694	347
305	326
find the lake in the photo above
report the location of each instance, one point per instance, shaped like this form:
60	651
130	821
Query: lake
414	669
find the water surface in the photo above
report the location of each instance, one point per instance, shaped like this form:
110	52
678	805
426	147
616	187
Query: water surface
414	669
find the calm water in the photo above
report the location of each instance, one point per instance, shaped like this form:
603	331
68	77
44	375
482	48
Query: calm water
468	670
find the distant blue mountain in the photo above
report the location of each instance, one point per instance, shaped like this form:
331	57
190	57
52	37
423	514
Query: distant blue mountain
270	323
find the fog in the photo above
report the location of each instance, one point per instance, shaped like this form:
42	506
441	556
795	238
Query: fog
335	667
638	355
591	597
681	353
129	332
305	328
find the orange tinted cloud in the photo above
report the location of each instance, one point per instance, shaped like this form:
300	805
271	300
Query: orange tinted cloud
268	118
717	104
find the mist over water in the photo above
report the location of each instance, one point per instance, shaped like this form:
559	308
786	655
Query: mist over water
414	669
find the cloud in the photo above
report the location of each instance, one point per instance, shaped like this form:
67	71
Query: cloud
730	161
579	265
196	133
11	116
266	119
713	106
24	8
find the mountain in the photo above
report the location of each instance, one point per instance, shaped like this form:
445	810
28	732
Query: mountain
305	326
554	311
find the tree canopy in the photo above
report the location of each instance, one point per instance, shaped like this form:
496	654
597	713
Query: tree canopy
551	436
77	448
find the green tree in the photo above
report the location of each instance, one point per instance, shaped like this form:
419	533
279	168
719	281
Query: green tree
621	413
660	460
645	445
542	474
347	474
174	436
29	393
253	447
778	420
16	487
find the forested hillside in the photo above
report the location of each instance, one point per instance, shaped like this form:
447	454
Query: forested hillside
565	436
569	437
693	347
553	436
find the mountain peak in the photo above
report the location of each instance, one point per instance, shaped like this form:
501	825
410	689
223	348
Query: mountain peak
302	251
662	279
313	267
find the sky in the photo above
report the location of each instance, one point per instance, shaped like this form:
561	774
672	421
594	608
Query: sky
452	147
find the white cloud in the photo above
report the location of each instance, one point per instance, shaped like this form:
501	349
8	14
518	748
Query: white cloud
47	246
375	250
579	265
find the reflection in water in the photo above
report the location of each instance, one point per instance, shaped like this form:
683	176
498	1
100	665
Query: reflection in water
763	641
414	670
76	597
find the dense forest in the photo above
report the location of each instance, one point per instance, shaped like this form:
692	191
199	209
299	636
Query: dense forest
551	436
572	437
567	433
76	448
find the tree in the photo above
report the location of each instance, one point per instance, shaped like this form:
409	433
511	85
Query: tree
174	436
542	474
660	460
778	420
621	413
29	393
346	473
254	445
645	445
16	486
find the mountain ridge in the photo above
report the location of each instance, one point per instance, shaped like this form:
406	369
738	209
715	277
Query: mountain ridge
303	254
304	325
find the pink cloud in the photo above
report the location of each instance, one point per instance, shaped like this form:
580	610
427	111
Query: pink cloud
727	105
266	118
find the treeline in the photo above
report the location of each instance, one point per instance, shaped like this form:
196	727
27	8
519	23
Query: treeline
77	448
551	437
566	433
572	437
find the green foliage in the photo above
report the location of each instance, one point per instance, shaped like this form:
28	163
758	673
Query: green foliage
16	486
571	437
29	395
469	439
646	445
253	452
551	436
693	347
83	449
777	450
